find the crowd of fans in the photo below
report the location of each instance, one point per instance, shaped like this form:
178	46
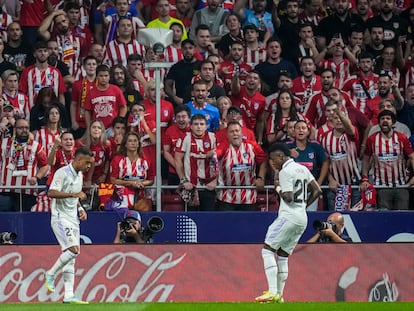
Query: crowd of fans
334	79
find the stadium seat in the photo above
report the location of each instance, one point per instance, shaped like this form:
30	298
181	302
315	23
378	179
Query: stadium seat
171	202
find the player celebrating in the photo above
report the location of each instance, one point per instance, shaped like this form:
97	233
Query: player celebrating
66	191
283	234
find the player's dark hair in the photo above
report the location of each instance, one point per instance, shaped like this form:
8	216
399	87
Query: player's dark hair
281	147
83	151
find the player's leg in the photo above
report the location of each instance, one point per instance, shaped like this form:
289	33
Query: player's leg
293	233
274	237
64	235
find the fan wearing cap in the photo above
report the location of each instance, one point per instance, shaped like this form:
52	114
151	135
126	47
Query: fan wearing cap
7	118
129	230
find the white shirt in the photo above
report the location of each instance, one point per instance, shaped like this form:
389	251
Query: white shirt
294	177
66	179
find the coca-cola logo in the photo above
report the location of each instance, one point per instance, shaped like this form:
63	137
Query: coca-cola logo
118	276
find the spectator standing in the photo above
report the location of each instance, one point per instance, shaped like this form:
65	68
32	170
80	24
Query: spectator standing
105	101
235	34
80	89
40	75
120	77
238	161
71	46
310	154
251	102
387	151
174	133
341	145
180	74
257	16
11	93
214	17
254	52
406	113
270	69
195	162
200	106
164	19
117	51
130	168
23	163
235	65
16	50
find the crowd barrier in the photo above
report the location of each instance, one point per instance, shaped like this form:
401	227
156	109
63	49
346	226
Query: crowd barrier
211	272
211	227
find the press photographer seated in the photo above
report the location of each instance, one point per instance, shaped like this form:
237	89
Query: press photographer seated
330	231
129	230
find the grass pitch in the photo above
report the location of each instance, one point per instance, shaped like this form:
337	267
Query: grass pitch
289	306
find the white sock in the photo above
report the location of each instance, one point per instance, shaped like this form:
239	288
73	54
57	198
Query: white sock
282	275
270	269
63	259
69	277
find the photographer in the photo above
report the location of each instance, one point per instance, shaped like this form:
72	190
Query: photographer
129	230
330	231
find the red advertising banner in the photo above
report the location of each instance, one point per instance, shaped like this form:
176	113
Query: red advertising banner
203	272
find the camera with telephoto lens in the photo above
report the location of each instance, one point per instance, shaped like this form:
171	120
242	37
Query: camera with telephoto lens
154	225
7	237
323	225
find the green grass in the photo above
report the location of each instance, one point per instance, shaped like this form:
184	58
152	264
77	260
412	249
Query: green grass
317	306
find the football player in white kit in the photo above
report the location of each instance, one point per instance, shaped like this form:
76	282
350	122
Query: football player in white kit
65	191
293	183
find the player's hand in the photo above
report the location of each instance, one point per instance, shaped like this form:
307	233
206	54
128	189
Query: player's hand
212	185
82	214
188	186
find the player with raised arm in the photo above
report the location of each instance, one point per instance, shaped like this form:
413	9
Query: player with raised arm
293	182
65	192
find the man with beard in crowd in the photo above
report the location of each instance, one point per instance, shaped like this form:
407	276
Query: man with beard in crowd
119	76
180	74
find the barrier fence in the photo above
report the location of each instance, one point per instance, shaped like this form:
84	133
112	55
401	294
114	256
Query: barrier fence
211	273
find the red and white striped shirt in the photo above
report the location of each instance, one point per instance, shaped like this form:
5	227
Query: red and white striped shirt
46	138
341	70
172	54
251	106
315	109
19	101
355	89
112	22
70	47
117	52
17	167
5	21
123	168
389	158
343	153
238	168
304	89
149	74
254	57
33	80
196	165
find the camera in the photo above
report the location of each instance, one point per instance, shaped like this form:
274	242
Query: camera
154	225
7	237
323	225
125	225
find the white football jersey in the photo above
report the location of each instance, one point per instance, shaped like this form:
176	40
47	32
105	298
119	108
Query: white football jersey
294	177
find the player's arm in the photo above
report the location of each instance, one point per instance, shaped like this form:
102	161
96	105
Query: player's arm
315	192
286	196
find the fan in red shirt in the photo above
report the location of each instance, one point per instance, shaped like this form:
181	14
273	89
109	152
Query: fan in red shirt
172	135
251	102
105	101
167	110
